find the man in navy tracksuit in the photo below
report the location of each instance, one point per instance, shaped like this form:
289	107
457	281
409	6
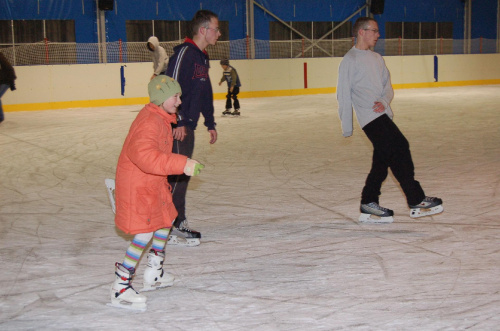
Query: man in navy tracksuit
189	66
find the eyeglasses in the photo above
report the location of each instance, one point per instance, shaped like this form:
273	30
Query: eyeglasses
374	30
215	30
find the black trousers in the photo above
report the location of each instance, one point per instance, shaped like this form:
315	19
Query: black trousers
234	96
180	183
390	150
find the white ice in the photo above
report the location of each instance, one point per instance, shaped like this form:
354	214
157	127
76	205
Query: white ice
277	205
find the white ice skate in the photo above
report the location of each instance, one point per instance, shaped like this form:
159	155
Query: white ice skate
373	213
428	206
154	276
123	294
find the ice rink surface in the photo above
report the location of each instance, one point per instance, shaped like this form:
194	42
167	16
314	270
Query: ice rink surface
277	205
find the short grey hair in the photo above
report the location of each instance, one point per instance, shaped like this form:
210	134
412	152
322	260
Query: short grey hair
361	23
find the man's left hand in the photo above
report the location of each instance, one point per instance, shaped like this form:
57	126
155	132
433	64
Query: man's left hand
213	136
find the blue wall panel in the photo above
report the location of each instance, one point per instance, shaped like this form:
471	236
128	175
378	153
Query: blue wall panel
424	11
228	10
484	13
42	10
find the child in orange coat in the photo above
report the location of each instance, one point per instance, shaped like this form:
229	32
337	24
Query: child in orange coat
143	195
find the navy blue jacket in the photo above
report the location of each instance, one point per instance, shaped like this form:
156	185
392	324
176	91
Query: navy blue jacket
189	66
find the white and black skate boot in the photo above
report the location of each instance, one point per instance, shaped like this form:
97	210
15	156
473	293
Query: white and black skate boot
226	112
236	112
182	235
154	276
123	294
373	213
428	206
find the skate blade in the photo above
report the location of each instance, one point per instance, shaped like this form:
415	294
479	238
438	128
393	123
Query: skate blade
137	306
369	218
421	212
154	287
176	240
168	280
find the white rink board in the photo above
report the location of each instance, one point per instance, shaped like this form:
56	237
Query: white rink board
81	83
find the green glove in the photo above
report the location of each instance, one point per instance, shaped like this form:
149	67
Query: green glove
197	168
193	167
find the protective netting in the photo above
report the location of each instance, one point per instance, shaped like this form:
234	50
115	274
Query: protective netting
52	53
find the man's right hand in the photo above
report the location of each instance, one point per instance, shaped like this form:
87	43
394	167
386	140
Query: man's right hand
378	107
179	133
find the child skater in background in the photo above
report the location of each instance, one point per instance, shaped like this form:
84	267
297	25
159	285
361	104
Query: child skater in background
143	196
233	87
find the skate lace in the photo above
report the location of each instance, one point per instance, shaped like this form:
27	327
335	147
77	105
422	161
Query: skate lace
124	289
426	202
185	226
377	206
126	283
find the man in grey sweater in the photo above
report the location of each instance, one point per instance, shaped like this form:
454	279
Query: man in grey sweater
364	83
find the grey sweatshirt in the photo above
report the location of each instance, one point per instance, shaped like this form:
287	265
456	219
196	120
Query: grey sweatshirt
158	56
363	80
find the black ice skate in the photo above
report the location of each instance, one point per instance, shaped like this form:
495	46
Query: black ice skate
226	112
373	213
236	112
428	206
182	235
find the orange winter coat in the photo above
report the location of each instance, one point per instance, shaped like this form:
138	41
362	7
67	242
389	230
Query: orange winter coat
143	195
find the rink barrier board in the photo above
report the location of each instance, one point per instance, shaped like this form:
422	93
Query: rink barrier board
221	96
